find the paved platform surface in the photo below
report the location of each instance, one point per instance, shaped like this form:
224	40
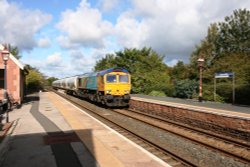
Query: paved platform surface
49	131
207	104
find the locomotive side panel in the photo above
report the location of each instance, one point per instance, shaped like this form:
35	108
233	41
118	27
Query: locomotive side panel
91	83
100	83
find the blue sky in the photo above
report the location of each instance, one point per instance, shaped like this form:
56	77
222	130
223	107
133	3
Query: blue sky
64	38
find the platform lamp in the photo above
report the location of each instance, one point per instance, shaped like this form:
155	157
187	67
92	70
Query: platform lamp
200	65
5	56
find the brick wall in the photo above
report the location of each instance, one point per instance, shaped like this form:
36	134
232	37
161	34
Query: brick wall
13	80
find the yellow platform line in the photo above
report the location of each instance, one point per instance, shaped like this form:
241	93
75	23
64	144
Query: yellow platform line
103	156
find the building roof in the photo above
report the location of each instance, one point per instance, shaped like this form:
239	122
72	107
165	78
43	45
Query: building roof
14	59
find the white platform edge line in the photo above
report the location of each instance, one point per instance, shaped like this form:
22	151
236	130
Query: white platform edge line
134	144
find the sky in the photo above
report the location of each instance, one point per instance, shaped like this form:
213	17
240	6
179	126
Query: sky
66	37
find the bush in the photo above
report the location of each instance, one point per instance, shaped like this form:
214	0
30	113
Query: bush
157	93
242	95
185	88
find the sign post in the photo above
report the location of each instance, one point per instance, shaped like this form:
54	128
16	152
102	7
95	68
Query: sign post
225	75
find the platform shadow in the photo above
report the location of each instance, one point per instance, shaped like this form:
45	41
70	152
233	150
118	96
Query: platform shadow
61	149
54	147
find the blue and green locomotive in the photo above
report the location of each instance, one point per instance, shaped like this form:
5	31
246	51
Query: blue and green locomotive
110	87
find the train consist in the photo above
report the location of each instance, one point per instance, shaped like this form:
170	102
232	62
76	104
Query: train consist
110	87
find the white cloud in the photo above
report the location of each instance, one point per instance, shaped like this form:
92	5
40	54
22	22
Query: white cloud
83	27
169	27
18	26
172	28
54	60
76	63
43	42
108	5
82	62
172	62
53	65
130	31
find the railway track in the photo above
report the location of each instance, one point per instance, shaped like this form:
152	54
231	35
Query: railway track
229	148
162	153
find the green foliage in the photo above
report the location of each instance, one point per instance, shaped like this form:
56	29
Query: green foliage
185	88
229	37
157	93
208	94
242	94
234	34
180	71
218	99
206	49
14	51
35	80
50	80
226	49
224	90
105	63
146	66
240	65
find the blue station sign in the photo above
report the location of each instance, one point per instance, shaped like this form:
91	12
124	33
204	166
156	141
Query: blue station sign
224	75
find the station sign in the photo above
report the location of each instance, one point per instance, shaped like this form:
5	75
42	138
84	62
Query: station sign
224	75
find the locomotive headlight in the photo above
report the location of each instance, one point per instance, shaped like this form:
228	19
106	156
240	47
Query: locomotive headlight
126	91
108	91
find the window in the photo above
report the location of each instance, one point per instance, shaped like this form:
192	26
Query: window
2	78
79	82
123	78
111	78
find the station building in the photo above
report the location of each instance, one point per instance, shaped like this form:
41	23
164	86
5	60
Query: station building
15	78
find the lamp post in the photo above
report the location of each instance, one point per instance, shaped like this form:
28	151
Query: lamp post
5	56
200	64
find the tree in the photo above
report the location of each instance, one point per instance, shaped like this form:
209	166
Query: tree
105	63
226	49
14	51
223	38
239	64
207	48
50	80
185	88
35	80
146	66
180	71
234	34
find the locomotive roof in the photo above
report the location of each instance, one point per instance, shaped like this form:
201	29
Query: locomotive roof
99	73
103	72
112	70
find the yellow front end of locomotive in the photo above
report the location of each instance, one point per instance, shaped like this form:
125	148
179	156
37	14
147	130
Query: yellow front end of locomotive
117	84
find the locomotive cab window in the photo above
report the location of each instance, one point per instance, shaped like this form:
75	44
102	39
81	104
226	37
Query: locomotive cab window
111	78
123	78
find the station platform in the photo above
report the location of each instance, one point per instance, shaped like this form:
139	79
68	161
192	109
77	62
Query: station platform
49	131
226	118
204	105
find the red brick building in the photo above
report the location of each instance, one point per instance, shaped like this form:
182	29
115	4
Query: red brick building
15	78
